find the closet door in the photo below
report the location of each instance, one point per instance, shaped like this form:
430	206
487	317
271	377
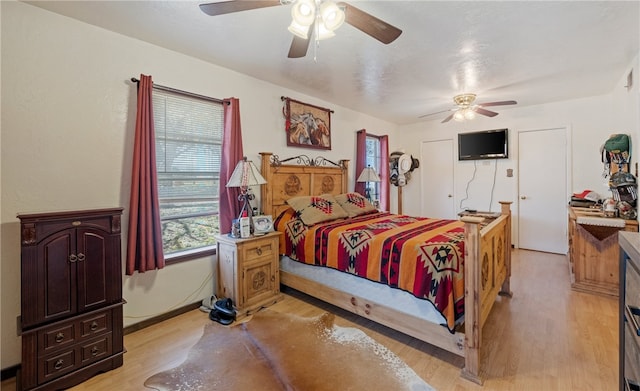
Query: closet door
543	190
436	168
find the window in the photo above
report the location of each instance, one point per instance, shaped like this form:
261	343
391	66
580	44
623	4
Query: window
373	159
188	135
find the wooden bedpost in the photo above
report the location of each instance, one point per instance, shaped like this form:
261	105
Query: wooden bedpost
472	325
505	290
266	192
345	178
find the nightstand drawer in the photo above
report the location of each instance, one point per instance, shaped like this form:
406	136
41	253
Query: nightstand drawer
258	248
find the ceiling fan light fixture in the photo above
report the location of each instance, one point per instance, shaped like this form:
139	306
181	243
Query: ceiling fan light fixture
303	12
469	114
322	32
332	16
464	100
299	30
458	116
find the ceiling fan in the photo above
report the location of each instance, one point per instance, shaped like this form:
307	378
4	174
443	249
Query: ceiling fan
466	109
369	24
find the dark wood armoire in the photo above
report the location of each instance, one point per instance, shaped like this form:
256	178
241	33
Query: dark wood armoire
71	305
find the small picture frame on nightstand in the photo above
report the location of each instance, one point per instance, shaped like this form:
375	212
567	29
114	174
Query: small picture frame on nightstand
262	224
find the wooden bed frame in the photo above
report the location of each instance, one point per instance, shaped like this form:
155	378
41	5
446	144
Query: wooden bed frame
487	260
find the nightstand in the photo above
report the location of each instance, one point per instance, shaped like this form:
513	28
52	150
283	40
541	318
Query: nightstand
249	271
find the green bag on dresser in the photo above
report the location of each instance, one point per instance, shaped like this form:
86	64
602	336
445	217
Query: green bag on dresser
618	149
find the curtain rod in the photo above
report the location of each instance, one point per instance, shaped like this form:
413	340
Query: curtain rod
174	90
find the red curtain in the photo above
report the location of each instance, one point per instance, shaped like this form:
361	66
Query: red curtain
361	159
231	154
384	173
144	249
361	163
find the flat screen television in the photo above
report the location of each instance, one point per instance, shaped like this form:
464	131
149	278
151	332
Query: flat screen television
486	144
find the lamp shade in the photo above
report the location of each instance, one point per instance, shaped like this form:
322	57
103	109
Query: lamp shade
368	175
245	174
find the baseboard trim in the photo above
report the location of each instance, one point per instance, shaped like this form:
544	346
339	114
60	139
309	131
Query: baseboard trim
10	372
160	318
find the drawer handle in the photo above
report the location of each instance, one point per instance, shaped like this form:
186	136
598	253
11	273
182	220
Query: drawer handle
80	257
632	314
259	250
59	337
58	364
95	351
73	258
94	326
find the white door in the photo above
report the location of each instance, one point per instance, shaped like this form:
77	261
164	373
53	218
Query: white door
436	168
542	190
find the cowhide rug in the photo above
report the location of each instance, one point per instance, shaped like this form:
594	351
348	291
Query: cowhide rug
275	351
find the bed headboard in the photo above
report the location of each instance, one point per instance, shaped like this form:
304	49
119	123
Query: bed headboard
301	177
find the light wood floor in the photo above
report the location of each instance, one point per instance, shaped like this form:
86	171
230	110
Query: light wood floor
547	337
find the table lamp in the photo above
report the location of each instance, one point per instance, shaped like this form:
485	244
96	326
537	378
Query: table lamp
368	175
244	175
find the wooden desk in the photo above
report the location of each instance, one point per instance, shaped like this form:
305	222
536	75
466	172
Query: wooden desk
593	250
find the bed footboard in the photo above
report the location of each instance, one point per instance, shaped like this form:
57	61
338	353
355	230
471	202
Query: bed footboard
487	274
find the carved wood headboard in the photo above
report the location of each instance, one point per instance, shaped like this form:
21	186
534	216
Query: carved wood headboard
304	177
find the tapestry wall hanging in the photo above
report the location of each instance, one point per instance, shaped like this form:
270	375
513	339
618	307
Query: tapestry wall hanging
306	125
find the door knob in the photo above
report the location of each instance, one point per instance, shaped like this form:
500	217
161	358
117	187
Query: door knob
523	197
449	196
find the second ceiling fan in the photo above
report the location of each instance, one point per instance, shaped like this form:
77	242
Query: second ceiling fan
466	109
311	17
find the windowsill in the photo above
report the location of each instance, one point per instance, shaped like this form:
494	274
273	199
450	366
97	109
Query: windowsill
189	255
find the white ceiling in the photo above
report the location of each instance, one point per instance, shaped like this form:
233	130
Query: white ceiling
530	51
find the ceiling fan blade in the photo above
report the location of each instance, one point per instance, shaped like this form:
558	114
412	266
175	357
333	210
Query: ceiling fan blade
227	7
482	111
448	118
503	103
369	24
298	47
437	112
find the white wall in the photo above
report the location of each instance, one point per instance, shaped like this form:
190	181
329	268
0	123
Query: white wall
590	122
68	118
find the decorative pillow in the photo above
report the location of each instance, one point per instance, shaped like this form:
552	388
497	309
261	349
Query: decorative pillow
316	209
355	204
